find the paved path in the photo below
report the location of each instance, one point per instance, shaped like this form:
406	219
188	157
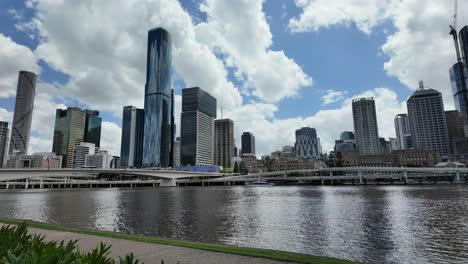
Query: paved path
149	252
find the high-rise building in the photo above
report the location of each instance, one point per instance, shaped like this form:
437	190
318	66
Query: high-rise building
247	143
463	38
457	129
3	142
393	144
176	158
426	116
455	74
365	126
307	144
236	151
347	135
69	132
384	145
402	130
93	127
158	139
131	148
22	117
101	160
80	152
197	127
224	142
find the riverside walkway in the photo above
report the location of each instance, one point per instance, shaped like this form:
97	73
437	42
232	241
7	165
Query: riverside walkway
153	250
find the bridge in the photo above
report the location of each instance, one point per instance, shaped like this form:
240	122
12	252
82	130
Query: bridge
49	178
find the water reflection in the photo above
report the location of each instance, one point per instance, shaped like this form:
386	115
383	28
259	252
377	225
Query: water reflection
374	224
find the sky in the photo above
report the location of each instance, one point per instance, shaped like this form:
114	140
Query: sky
273	65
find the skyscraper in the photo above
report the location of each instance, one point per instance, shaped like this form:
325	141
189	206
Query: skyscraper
93	127
427	120
457	129
247	143
402	130
3	142
70	131
307	144
80	152
463	37
224	142
365	126
131	148
176	159
22	117
347	135
455	74
197	127
158	139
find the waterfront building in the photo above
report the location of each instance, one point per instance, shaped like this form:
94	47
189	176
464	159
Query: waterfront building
247	143
235	151
457	129
285	164
40	160
197	127
4	131
131	148
158	136
347	135
307	144
100	160
224	142
393	144
365	126
93	127
287	152
73	126
248	163
384	145
402	130
177	152
426	116
80	152
22	116
115	162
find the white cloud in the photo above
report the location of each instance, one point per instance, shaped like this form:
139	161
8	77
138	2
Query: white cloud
239	30
333	96
110	138
14	58
6	116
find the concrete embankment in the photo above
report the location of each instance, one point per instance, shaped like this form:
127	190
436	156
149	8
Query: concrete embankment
153	250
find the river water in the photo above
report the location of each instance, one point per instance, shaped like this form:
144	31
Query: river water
370	224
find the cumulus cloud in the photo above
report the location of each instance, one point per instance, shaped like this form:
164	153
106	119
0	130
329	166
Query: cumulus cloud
111	134
239	30
14	58
333	96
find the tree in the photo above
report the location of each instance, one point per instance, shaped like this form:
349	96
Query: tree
268	163
236	168
331	161
339	159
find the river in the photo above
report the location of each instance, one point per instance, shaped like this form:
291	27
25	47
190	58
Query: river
370	224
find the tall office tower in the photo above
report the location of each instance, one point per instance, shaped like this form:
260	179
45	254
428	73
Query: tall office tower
224	142
347	135
384	146
427	120
402	130
93	127
158	139
22	117
463	37
197	127
131	146
365	126
69	132
236	151
455	78
80	152
176	152
307	145
247	143
457	129
3	143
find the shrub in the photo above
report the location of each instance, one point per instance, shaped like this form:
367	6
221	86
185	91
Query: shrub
19	247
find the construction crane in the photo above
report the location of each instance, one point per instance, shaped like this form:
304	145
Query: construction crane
461	73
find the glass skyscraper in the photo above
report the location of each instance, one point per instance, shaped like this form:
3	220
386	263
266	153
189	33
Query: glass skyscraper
158	138
365	126
131	151
22	117
93	127
307	144
247	143
197	127
3	142
455	78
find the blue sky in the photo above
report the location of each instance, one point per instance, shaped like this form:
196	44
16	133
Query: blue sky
340	51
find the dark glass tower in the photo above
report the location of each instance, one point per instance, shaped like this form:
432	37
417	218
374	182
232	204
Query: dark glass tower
248	143
158	133
307	145
22	117
455	74
131	151
93	127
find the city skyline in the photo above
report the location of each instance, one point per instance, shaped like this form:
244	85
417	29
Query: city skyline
277	117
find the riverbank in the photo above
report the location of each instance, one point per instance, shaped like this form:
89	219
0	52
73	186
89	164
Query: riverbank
153	250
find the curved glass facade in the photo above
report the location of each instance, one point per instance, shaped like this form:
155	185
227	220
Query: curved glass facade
158	125
22	117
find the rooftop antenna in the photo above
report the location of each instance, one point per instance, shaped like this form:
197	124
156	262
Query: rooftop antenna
421	85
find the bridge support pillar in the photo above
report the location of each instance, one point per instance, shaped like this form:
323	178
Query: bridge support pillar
331	174
457	177
27	183
8	184
405	177
168	183
41	185
360	177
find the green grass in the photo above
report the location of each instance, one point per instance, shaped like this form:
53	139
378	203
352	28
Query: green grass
253	252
